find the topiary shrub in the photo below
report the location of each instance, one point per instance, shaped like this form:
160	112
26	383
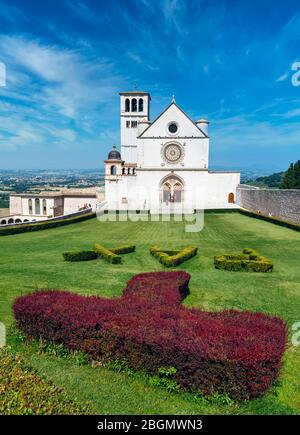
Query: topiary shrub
80	255
107	254
172	258
249	261
227	352
126	249
112	255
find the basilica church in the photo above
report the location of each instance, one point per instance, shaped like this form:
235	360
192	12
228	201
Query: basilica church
162	168
163	165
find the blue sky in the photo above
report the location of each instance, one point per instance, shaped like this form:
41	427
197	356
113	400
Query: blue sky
229	61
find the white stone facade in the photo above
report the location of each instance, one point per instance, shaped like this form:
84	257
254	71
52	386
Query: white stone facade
39	207
164	165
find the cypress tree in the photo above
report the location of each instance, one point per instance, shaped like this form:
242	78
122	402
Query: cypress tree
291	179
297	174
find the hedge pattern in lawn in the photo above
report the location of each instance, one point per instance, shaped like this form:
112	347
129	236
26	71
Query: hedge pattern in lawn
112	255
249	261
80	255
126	249
37	226
22	391
106	254
172	258
229	352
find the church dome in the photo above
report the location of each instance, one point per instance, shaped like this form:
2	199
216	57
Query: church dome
114	154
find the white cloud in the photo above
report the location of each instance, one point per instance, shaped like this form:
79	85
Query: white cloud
69	79
81	9
255	141
289	114
282	77
11	13
172	10
53	95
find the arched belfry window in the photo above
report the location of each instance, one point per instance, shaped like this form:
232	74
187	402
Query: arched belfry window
134	105
127	105
113	170
141	105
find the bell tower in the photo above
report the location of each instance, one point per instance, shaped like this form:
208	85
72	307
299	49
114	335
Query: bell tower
134	106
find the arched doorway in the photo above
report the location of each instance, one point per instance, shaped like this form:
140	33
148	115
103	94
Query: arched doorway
172	190
231	198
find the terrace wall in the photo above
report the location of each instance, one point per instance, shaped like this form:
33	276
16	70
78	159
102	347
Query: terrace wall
283	204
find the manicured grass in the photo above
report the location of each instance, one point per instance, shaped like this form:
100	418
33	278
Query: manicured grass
23	392
33	260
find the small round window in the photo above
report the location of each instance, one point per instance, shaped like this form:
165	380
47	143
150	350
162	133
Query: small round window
173	128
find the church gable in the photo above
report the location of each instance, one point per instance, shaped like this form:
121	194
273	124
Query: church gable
160	127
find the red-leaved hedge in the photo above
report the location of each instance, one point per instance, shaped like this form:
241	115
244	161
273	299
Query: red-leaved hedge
238	353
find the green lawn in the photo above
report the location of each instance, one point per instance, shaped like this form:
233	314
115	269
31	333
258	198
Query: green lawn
33	260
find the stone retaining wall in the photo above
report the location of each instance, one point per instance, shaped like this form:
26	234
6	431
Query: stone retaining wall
280	203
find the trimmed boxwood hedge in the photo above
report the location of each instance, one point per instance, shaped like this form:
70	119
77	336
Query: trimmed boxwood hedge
221	210
227	352
112	255
171	258
249	261
107	254
126	249
80	255
271	219
37	226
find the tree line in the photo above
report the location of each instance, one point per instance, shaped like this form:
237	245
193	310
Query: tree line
291	179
